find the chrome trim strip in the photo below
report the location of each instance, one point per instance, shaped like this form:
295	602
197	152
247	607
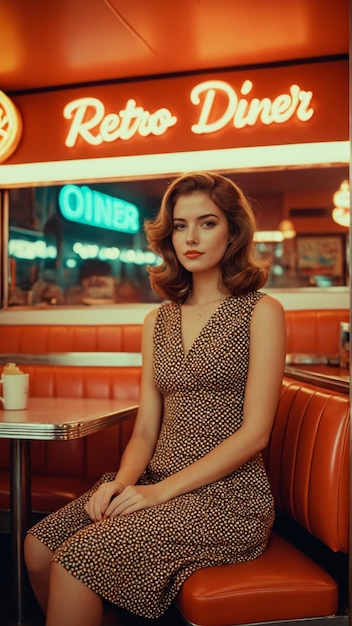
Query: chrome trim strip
79	359
65	431
335	383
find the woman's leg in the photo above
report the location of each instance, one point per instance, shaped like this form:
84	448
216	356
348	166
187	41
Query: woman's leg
71	602
38	560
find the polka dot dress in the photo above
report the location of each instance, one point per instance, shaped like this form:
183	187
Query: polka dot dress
140	561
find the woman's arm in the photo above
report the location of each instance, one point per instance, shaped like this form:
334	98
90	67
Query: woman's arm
266	366
140	447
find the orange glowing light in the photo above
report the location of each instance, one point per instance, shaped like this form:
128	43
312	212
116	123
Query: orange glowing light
341	211
10	127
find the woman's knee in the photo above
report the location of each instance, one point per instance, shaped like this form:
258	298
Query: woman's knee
37	556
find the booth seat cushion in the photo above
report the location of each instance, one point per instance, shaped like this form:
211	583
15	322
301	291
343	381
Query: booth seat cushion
49	493
281	582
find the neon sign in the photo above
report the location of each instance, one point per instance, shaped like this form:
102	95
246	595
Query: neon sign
23	249
93	125
245	112
86	206
10	127
88	114
126	255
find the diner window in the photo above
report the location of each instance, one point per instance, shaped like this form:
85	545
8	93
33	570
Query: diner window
85	244
77	244
306	261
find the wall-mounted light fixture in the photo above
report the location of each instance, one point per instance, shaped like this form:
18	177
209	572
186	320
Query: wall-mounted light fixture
287	228
341	211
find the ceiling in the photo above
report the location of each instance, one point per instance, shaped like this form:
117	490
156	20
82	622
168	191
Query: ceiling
69	42
46	44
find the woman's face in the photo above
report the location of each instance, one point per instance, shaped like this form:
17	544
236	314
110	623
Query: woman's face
200	232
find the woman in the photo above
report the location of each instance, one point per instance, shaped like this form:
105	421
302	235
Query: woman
191	490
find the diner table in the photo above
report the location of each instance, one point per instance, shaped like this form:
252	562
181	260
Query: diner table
44	419
319	372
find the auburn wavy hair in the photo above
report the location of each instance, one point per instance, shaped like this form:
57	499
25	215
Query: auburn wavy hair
242	268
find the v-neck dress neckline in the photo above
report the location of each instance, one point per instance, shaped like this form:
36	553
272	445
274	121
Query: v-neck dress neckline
202	330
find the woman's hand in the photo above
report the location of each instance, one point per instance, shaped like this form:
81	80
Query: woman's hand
133	498
98	503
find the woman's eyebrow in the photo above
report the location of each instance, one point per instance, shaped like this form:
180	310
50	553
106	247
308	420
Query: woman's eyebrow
203	217
200	217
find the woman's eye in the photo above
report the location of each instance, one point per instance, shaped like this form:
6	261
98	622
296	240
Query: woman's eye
208	224
178	226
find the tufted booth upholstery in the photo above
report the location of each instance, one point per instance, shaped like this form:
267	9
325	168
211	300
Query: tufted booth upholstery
308	331
314	331
39	339
308	466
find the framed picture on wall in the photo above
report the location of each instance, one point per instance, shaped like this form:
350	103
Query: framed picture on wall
321	255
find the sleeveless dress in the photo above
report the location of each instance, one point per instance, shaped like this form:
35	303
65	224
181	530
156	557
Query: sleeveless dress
140	561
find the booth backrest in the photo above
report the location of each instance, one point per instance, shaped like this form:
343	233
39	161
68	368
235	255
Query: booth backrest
43	339
308	461
308	331
48	381
314	331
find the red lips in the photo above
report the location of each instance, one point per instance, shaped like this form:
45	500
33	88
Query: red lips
193	254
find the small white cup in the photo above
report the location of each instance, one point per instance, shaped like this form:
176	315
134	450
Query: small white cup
14	391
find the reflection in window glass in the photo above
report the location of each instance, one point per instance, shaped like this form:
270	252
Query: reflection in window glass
322	265
85	244
77	245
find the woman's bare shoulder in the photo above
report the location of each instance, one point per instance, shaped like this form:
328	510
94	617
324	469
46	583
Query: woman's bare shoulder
149	320
151	316
269	307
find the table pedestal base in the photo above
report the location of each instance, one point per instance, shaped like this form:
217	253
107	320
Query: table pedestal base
20	520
